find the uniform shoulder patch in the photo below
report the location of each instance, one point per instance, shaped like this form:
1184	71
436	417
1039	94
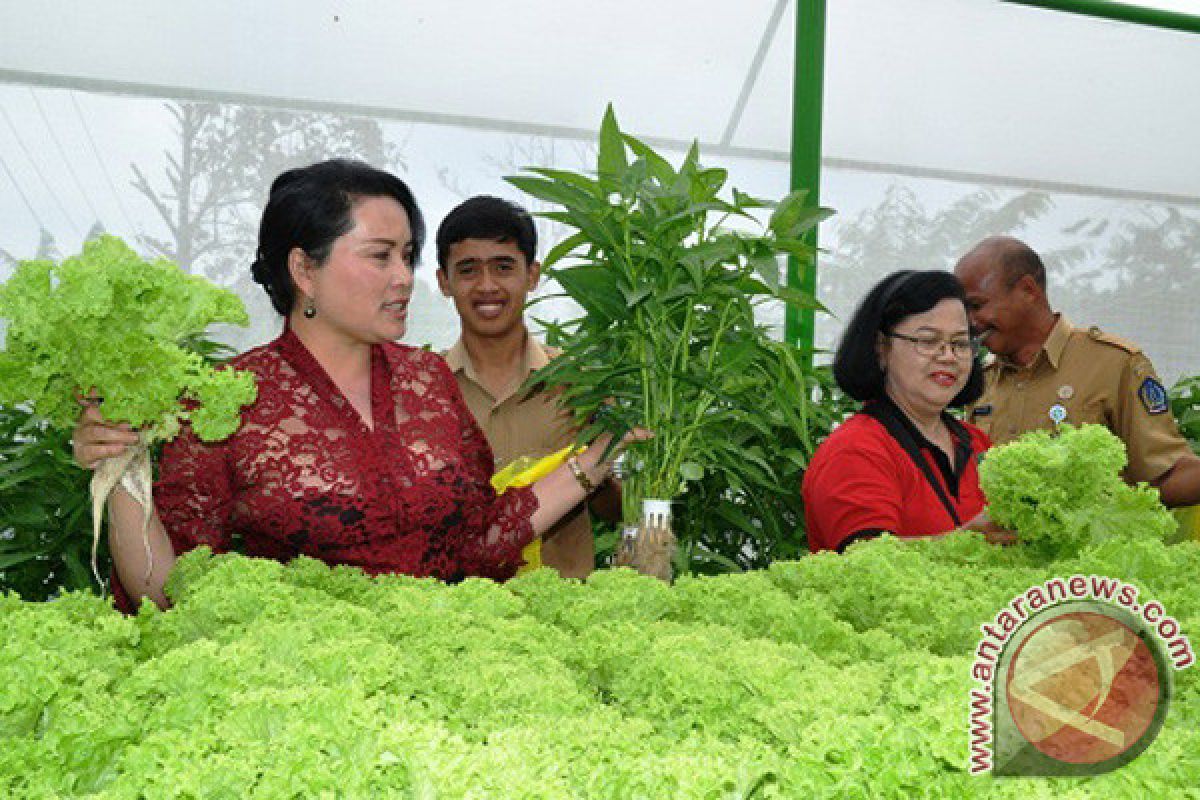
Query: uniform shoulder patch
1153	396
1097	335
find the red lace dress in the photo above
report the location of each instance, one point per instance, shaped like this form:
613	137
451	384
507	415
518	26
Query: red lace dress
304	475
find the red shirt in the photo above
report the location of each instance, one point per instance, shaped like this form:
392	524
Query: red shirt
862	481
304	475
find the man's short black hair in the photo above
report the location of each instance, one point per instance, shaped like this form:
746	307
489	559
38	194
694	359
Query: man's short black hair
487	217
856	365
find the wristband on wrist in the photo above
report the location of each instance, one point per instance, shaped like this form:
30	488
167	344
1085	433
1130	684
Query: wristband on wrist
580	476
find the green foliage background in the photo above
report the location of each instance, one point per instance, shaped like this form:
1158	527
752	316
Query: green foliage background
1185	406
45	511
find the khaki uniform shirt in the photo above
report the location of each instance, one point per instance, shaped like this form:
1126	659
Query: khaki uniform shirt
529	424
1084	376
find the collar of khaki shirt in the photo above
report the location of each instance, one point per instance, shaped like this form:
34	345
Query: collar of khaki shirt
535	357
1052	348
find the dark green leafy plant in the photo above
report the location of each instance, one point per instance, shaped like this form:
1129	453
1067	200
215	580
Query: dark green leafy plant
669	273
45	510
1185	406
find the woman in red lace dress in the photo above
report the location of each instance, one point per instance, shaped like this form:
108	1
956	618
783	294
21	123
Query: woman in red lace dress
358	450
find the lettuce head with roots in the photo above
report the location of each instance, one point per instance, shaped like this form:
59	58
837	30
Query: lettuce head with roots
108	322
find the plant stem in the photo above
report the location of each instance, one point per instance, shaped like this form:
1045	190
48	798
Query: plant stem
704	402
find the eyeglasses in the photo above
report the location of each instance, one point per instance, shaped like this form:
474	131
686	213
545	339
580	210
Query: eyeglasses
931	345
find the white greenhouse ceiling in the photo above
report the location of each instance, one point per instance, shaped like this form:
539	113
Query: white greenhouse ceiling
938	87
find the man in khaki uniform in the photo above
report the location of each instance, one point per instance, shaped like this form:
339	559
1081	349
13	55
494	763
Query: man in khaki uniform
1043	371
486	264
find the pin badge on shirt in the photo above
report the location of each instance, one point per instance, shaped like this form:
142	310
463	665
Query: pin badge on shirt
1153	396
1066	392
981	411
1057	414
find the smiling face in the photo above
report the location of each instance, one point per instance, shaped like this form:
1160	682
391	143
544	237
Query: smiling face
362	290
999	309
488	280
926	383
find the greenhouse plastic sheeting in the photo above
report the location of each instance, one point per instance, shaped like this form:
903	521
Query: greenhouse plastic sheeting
945	120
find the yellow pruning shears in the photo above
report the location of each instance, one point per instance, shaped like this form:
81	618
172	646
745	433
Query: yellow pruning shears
524	471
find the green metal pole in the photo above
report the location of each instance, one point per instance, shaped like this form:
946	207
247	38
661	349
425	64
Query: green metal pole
807	91
1122	12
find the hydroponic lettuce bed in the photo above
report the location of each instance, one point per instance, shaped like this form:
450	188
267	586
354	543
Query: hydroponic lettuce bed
835	676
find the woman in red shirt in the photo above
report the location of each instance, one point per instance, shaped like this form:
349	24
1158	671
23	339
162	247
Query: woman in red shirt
902	465
358	450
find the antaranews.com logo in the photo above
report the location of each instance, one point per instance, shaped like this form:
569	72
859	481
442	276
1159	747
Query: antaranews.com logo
1074	677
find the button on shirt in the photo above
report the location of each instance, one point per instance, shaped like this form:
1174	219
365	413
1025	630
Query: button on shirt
1082	375
529	423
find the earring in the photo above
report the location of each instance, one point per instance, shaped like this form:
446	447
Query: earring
310	310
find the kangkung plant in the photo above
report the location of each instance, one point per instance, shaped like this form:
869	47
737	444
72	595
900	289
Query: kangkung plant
669	270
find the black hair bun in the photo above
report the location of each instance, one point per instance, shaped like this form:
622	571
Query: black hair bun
261	274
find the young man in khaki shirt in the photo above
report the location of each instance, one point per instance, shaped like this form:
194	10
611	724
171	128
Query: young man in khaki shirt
486	249
1044	372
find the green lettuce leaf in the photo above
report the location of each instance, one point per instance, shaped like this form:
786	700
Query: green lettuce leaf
109	322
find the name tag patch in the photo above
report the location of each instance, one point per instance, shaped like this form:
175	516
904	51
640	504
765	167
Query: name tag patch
1153	396
981	411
